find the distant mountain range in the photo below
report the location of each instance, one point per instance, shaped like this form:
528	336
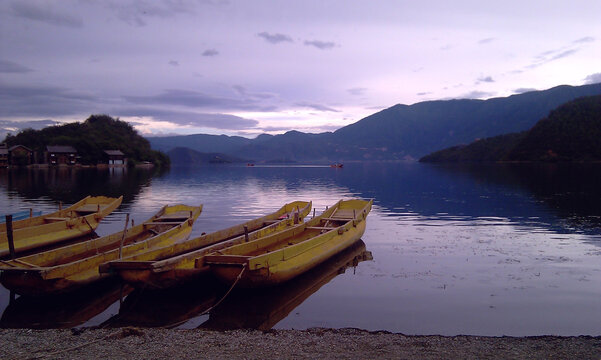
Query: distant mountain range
570	133
401	132
186	156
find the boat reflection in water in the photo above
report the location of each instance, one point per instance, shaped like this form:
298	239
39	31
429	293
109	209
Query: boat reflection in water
263	308
259	308
168	308
65	310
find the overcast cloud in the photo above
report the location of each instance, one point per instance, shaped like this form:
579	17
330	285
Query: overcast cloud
247	67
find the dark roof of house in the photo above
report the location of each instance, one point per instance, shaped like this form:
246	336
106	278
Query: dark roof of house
18	146
60	149
113	152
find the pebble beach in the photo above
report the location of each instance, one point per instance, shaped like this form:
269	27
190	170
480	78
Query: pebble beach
138	343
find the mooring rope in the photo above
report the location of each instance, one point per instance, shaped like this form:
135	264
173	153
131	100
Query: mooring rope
215	305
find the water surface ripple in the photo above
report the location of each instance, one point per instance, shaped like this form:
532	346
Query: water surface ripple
483	250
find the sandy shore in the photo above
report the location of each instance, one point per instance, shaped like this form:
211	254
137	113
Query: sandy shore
136	343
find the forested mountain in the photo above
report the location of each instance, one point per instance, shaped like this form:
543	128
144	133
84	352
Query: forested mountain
571	132
187	156
90	139
399	132
200	142
428	126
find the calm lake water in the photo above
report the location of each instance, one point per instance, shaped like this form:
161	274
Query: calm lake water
482	250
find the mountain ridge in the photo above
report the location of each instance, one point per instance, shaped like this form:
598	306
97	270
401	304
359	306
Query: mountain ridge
400	132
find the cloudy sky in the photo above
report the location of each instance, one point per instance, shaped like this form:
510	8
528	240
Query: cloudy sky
249	67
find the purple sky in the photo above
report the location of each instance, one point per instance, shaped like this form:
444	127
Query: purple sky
250	67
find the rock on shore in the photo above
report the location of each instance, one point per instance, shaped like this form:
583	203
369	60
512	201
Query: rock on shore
136	343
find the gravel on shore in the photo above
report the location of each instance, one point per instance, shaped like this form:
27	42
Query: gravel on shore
144	343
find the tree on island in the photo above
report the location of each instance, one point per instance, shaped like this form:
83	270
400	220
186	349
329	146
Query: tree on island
90	138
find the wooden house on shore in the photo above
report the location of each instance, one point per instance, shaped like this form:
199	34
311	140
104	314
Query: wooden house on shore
3	156
20	155
61	155
115	158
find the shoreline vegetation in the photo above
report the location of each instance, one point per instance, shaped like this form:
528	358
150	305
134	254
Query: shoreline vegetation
346	343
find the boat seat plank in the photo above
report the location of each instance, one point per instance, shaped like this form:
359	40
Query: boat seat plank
343	213
8	263
320	227
338	219
89	208
56	218
24	263
175	216
226	259
164	222
131	265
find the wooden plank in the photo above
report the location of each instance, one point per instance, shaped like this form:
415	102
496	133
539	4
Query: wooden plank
163	223
89	208
7	263
128	265
226	259
24	263
174	216
320	227
56	218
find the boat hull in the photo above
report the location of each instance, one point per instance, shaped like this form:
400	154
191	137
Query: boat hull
287	270
281	257
71	267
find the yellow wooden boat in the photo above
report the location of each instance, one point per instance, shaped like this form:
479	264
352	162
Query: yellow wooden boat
171	265
72	266
271	305
77	220
280	257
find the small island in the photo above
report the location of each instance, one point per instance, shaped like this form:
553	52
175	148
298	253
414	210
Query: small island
99	140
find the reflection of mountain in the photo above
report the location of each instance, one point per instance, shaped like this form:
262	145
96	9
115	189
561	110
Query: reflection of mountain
514	191
63	311
263	308
569	191
72	184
